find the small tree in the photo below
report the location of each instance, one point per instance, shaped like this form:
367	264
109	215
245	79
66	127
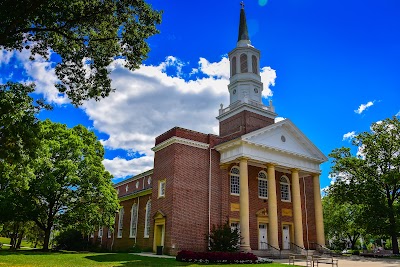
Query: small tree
224	238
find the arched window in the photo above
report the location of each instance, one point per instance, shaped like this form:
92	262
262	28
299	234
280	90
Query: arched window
254	65
234	177
134	217
120	222
285	188
233	66
100	233
262	185
243	63
147	222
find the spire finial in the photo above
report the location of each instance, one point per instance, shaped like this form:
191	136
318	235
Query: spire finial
243	34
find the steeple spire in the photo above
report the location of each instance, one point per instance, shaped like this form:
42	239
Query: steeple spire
243	37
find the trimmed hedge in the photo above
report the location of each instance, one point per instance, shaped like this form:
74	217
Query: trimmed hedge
216	257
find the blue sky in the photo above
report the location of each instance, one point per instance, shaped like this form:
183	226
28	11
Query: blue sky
332	67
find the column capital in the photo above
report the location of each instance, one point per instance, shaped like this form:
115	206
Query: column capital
243	158
295	170
270	165
224	166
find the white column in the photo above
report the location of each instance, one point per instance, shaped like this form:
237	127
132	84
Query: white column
273	239
244	206
319	219
297	215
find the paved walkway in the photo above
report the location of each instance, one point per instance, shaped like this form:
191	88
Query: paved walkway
355	261
151	254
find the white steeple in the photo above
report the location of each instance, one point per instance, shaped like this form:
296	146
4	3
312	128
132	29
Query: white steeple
245	87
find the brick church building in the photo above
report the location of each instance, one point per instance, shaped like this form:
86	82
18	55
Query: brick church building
260	175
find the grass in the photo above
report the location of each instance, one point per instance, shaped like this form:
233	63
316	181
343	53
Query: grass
63	259
6	240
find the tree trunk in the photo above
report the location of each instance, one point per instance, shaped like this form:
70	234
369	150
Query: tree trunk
393	233
20	236
46	239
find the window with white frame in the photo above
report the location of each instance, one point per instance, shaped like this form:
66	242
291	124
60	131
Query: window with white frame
100	233
161	188
262	185
234	177
147	222
285	188
134	220
235	225
120	222
109	233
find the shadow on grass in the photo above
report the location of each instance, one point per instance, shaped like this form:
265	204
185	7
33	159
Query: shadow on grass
37	252
135	260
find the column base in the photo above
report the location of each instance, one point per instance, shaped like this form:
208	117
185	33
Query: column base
245	248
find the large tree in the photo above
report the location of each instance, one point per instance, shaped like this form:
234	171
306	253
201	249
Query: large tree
87	34
70	183
372	177
343	221
19	129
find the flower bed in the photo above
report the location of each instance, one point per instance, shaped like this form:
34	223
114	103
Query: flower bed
217	257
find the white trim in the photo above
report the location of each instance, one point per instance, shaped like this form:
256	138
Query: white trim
245	106
179	140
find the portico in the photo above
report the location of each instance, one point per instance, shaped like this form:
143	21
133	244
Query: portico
278	148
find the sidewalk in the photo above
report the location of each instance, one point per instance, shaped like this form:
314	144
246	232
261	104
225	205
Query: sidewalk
151	254
356	261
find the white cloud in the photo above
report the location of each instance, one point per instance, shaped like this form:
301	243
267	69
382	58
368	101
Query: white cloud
148	102
398	114
349	136
5	56
120	167
363	107
43	74
278	119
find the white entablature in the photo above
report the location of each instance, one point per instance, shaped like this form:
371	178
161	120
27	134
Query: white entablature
281	143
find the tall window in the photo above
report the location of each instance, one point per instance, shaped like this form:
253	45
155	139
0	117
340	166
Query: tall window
243	63
100	233
254	65
234	176
109	233
285	188
233	66
134	217
147	222
262	185
120	222
161	188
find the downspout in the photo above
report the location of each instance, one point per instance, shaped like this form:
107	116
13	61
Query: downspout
209	198
305	207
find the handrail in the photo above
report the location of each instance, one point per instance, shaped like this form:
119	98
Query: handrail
321	249
296	248
274	248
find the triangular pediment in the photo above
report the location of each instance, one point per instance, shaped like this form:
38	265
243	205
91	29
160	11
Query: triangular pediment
284	136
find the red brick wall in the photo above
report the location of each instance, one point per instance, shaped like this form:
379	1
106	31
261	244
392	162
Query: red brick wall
126	241
242	123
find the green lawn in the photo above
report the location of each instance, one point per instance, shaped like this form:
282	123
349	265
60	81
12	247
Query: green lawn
62	259
6	240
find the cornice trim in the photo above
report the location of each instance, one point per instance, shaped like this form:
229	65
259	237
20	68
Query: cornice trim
179	140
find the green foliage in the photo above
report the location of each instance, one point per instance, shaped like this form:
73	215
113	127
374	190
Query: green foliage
372	178
223	238
342	221
81	32
71	239
71	186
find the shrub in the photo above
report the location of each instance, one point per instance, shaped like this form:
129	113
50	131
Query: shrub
71	239
216	257
223	238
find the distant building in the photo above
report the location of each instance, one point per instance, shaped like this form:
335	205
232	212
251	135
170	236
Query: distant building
260	175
